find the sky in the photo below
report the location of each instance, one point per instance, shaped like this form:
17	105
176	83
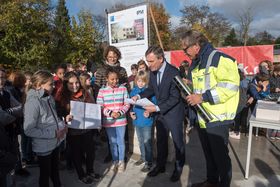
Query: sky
265	12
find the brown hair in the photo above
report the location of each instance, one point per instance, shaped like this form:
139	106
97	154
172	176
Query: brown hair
114	49
269	63
83	78
28	74
134	66
142	75
3	70
158	51
276	67
17	79
142	62
40	77
262	77
65	94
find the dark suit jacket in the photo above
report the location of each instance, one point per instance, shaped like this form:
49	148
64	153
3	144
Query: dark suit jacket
168	96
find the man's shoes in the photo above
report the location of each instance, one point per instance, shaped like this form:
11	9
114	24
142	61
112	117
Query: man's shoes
156	171
139	162
175	175
22	172
204	184
108	159
86	180
95	177
30	163
147	167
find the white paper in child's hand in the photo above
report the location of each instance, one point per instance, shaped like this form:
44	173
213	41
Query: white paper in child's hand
140	102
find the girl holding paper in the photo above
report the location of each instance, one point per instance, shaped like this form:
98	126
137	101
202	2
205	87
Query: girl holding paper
80	140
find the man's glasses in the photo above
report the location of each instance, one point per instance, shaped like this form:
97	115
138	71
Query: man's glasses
186	49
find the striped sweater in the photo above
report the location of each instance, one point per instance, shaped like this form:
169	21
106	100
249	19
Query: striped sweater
112	100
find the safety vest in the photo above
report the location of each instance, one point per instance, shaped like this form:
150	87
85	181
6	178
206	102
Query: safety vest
222	80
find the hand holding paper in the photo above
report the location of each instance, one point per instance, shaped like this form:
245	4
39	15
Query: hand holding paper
69	118
141	102
135	98
146	114
85	115
150	108
133	115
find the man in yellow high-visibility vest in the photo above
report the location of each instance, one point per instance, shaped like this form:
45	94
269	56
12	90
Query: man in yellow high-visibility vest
215	82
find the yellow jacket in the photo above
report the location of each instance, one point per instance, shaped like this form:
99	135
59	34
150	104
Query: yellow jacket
215	76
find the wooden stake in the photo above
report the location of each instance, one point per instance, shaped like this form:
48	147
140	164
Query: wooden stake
154	22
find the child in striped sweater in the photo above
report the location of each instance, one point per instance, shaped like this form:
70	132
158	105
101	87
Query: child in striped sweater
111	98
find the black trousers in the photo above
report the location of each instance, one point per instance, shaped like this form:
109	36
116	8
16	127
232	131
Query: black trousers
162	133
49	169
82	146
3	181
214	143
241	119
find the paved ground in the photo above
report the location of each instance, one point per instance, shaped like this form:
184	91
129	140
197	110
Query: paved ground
264	167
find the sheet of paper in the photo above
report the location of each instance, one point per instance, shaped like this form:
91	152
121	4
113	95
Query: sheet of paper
140	102
93	116
130	101
77	109
85	115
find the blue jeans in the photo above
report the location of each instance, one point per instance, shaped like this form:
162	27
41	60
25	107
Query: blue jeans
144	135
116	141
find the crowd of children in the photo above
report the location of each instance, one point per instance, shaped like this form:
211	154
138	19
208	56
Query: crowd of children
37	106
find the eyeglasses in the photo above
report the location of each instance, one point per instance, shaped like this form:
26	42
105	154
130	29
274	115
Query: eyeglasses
186	49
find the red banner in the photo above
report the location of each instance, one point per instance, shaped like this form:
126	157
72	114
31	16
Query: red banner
249	56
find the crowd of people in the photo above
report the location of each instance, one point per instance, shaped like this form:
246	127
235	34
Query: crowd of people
262	86
36	106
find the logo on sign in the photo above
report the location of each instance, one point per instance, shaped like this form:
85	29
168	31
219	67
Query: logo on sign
140	12
112	18
200	79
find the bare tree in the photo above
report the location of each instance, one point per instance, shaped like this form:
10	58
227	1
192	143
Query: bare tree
214	25
100	25
245	20
118	7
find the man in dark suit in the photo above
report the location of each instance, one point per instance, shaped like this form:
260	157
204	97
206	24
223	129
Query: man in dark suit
169	111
